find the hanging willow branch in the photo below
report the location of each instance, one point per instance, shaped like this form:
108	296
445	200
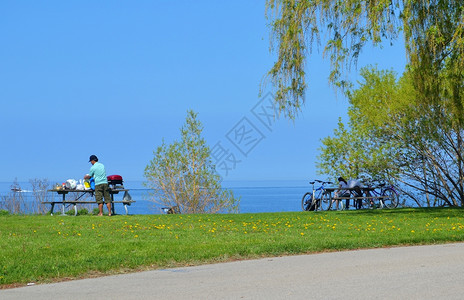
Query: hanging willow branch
433	32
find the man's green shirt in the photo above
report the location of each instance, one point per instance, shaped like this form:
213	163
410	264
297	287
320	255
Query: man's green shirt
98	172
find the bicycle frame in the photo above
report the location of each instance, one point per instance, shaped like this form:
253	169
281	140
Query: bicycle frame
313	200
375	193
382	191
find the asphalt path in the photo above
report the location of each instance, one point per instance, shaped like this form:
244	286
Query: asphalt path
417	272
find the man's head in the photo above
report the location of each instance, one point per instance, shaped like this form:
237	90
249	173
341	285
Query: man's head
93	159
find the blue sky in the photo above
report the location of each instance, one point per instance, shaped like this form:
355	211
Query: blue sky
113	78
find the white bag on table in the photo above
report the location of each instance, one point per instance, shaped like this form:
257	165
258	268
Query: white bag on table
71	184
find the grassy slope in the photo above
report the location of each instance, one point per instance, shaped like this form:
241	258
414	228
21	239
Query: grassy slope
48	248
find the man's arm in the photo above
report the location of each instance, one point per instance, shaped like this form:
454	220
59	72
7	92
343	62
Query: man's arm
91	173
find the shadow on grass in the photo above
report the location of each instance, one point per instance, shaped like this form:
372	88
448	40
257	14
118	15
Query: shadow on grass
429	211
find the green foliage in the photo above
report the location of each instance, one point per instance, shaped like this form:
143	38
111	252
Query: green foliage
89	245
4	212
433	31
297	25
364	149
393	135
82	212
70	212
341	155
182	174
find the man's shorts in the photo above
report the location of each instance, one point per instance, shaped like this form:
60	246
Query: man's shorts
102	191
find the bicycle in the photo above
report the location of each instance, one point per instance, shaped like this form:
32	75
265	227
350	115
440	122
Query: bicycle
387	195
318	199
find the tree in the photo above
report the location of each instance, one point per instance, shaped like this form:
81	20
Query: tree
341	155
361	147
433	33
401	139
182	174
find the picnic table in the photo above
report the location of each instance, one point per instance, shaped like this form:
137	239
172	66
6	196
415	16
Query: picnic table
366	194
65	192
364	190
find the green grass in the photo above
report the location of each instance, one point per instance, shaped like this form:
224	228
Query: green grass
49	248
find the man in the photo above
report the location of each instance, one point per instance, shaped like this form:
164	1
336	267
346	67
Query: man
356	192
352	184
98	172
342	193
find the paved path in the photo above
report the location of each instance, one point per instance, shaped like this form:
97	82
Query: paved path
419	272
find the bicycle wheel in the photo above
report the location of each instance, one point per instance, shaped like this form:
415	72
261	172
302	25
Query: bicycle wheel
306	202
365	203
325	202
390	198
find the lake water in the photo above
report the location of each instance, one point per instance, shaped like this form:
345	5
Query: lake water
256	196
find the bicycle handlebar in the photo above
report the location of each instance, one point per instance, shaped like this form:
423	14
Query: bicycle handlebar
320	181
378	185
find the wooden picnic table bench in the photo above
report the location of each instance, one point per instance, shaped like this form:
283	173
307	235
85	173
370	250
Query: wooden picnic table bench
64	202
366	194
